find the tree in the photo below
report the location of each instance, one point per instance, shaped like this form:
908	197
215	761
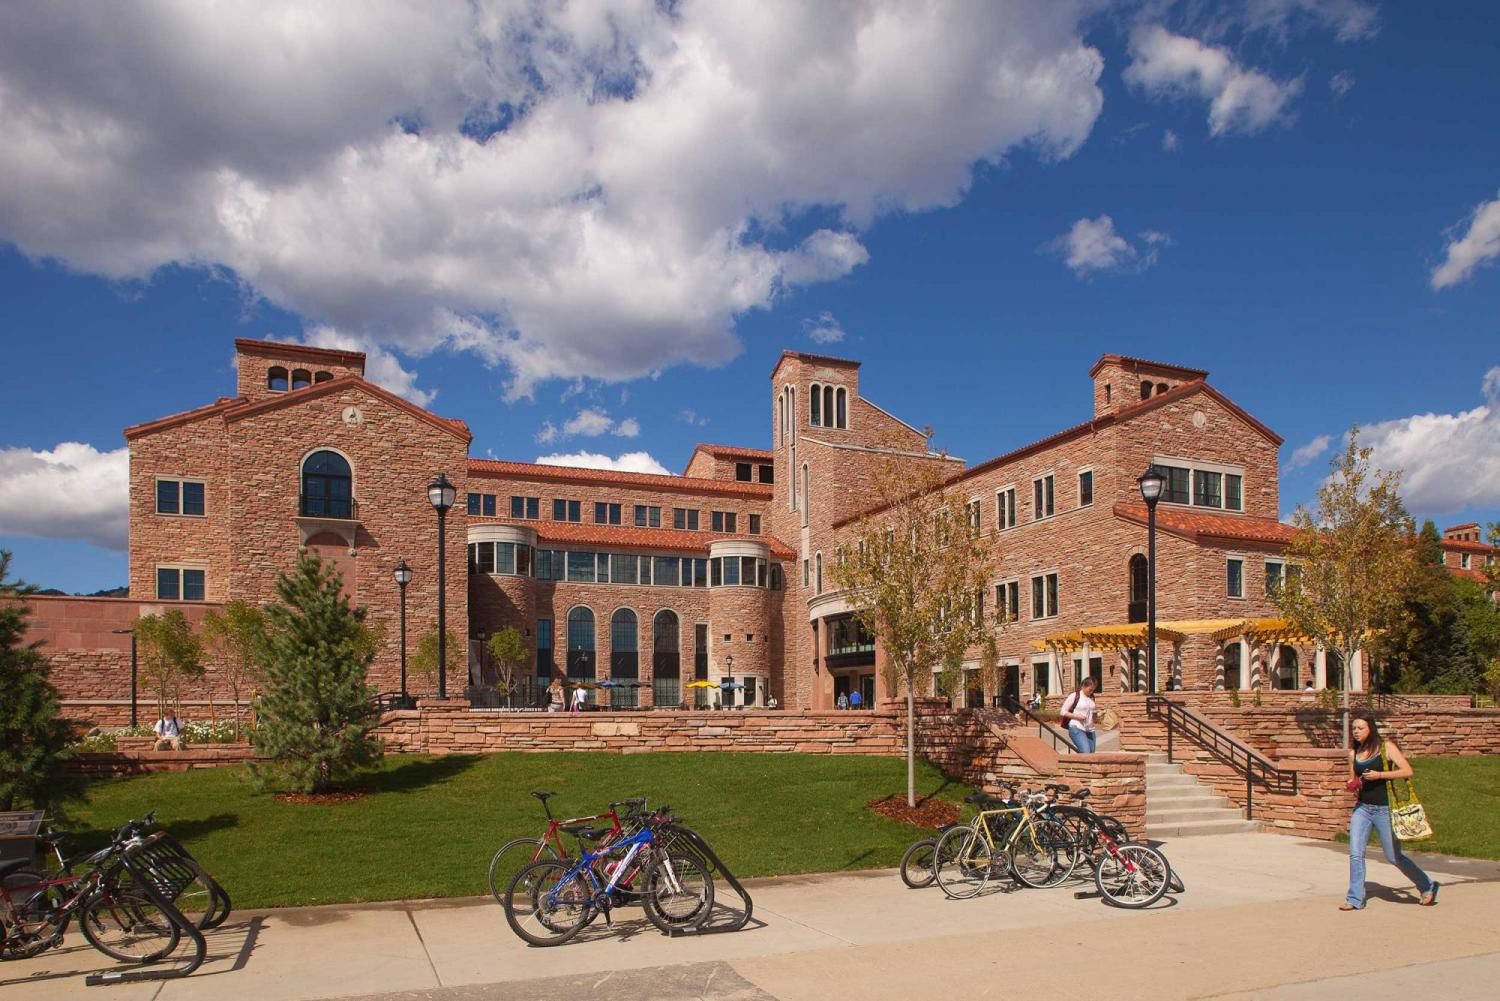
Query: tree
425	660
1355	556
34	737
233	638
170	653
510	654
317	709
915	576
1424	646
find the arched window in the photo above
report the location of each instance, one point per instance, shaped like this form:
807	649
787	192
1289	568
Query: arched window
322	376
624	657
1231	666
1145	389
581	644
301	378
828	407
1161	387
666	659
815	406
841	420
781	416
1138	584
276	379
327	486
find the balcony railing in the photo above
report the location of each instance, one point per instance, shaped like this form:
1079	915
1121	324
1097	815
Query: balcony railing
341	508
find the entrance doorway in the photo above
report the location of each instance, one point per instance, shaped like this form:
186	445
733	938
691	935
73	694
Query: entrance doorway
1010	684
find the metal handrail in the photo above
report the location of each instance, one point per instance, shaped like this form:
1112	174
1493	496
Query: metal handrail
1014	705
1249	762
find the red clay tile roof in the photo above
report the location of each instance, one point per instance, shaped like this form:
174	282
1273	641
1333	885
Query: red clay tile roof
630	537
1467	524
184	417
1472	573
246	408
649	481
300	351
1465	546
808	356
1191	373
1201	525
754	453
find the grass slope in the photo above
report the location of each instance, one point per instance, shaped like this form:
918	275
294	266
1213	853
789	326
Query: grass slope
432	823
1462	798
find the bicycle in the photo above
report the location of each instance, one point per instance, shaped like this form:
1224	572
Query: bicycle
550	901
1005	836
518	853
918	863
1126	873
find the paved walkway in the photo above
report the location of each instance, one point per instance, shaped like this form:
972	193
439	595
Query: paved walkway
1259	920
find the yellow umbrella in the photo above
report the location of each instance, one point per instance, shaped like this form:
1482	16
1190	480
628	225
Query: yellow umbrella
701	684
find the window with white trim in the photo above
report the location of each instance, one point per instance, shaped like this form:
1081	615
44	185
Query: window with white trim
1042	499
1008	601
1203	484
180	497
1085	487
973	510
1044	596
180	584
1234	574
1005	508
1275	574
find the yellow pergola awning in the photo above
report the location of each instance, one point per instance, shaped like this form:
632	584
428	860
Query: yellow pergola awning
1127	635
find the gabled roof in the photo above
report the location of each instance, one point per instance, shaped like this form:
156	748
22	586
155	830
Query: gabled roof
1465	546
649	481
764	454
282	348
1158	366
1204	526
630	537
178	419
317	390
815	359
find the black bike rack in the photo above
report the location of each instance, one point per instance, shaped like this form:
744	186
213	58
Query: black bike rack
146	864
173	868
716	866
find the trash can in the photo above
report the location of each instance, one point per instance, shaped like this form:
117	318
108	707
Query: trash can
18	830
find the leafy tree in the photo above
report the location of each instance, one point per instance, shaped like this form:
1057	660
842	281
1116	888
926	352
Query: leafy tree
316	711
233	638
915	577
170	653
1355	555
510	654
34	737
425	660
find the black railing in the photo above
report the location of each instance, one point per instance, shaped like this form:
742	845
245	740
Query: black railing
1256	767
388	701
1060	740
342	508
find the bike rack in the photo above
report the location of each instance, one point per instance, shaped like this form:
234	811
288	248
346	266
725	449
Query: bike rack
146	864
173	868
715	865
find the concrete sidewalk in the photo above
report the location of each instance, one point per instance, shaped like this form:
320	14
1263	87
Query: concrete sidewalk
1259	916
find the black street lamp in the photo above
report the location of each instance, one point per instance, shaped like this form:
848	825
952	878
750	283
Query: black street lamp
441	494
134	673
1152	482
403	578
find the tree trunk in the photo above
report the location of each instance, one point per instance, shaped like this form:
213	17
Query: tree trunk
1347	680
911	747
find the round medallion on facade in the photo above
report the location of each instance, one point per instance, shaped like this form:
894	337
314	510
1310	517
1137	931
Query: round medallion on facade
353	416
1200	419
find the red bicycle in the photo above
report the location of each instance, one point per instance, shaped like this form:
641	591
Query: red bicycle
513	855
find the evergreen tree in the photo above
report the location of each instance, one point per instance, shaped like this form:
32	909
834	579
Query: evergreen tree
316	710
1427	645
34	737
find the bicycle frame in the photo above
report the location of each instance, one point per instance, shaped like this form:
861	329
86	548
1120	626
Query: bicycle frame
92	880
981	828
623	873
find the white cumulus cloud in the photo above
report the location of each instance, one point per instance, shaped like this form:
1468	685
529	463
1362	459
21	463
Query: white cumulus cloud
823	328
1451	461
73	491
629	462
590	422
564	190
1092	245
381	366
1479	245
1312	450
1240	99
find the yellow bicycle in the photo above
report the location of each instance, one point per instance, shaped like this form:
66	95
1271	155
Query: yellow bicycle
1005	836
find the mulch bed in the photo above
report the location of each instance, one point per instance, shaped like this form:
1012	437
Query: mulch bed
930	811
305	798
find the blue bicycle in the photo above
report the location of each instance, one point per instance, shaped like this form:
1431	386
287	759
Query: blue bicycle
551	900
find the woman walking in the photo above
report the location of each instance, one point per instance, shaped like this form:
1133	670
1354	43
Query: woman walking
555	696
1372	764
1078	712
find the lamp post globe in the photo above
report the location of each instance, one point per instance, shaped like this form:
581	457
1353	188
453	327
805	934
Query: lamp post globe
1153	483
441	494
402	574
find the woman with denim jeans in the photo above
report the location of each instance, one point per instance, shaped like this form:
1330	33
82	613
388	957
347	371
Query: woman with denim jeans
1373	811
1078	713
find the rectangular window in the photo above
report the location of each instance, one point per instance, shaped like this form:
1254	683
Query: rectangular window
1236	578
755	524
1008	601
549	564
523	560
645	569
1041	673
168	584
725	521
1275	572
1042	497
731	571
622	569
973	508
1086	488
1208	488
505	557
525	507
484	557
685	519
581	567
819	557
805	572
601	567
192	585
1234	492
647	516
1044	596
1176	491
666	571
716	571
742	472
1005	509
747	571
767	474
517	509
700	573
606	514
489	505
167	493
471	501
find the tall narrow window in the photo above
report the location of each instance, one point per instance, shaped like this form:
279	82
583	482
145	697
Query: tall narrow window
624	658
820	573
806	494
1234	492
815	406
1086	488
666	659
1235	574
168	493
581	644
828	406
841	401
1042	500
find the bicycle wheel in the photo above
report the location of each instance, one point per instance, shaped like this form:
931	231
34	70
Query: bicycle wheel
1034	859
511	858
916	864
1135	876
677	892
547	903
128	926
965	863
31	932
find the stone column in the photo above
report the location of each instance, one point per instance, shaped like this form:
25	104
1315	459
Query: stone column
1320	668
1125	670
1177	665
1054	681
1219	668
1271	665
1086	653
1357	671
1249	664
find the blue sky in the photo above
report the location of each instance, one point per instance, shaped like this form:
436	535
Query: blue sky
1302	198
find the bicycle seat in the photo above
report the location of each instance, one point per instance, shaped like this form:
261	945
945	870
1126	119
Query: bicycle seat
1057	787
1082	794
585	833
543	796
12	865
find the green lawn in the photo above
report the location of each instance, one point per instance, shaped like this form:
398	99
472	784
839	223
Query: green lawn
433	822
1462	797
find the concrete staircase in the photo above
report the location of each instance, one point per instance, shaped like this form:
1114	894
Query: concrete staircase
1178	807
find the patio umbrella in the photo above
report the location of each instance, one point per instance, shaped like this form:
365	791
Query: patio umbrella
701	684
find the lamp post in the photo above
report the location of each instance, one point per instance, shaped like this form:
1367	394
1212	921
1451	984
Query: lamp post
441	493
134	674
727	692
403	578
1152	482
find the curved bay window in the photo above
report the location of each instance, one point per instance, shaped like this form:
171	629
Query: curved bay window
580	645
666	659
850	644
624	658
327	486
1136	608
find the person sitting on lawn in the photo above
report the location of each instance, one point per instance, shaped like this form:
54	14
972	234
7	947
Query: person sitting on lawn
168	733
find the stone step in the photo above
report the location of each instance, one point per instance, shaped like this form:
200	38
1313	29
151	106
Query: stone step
1173	797
1181	814
1170	779
1188	829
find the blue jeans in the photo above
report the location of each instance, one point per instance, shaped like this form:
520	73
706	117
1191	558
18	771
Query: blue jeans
1365	817
1085	740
